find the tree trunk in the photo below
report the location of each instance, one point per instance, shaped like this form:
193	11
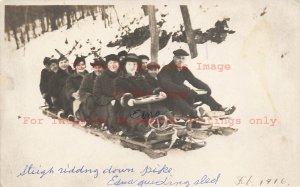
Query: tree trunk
43	24
8	35
153	33
88	13
75	13
63	20
145	9
117	15
33	29
110	19
53	23
58	23
69	24
104	15
22	37
82	13
189	31
27	32
72	17
48	23
16	37
93	13
97	9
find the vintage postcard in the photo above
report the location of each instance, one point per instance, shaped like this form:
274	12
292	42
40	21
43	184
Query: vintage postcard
150	93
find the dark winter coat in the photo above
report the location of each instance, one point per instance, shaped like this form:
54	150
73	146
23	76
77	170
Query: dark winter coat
73	84
88	105
103	95
87	86
151	80
171	80
137	85
45	78
57	82
103	87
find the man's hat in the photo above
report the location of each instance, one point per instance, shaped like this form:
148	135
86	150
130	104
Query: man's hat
122	53
78	60
98	62
132	58
112	57
144	57
46	61
153	65
180	52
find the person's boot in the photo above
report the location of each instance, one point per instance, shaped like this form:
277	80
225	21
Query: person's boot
61	114
200	111
193	114
71	117
230	110
197	113
220	112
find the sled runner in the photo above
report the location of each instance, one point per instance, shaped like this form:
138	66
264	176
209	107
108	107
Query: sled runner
50	113
200	129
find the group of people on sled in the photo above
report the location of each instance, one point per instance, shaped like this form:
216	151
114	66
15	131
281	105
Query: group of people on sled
106	96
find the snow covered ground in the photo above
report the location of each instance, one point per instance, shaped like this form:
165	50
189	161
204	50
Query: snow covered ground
261	83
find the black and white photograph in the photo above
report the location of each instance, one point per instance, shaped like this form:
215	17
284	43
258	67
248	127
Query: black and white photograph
150	93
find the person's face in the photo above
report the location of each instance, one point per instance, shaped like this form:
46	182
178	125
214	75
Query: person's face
54	67
98	70
113	66
179	61
153	72
144	64
80	67
63	64
131	67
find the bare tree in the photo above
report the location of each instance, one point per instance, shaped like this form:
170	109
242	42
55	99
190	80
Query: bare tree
189	31
16	37
8	35
22	37
43	26
145	9
33	29
26	24
82	12
154	33
92	9
48	23
69	23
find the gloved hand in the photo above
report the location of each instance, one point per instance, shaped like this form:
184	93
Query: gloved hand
162	94
44	95
125	98
130	102
157	90
113	102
